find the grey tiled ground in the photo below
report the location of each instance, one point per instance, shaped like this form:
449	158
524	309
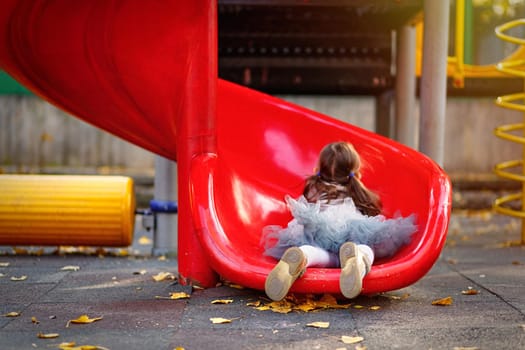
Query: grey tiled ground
122	291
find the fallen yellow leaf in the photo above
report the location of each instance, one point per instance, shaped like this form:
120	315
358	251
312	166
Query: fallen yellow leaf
72	346
306	306
48	335
328	301
219	320
358	307
375	308
84	319
34	320
4	264
21	278
318	324
398	297
470	291
222	301
254	303
443	302
163	276
282	307
175	296
179	295
20	251
122	253
263	308
12	314
70	268
351	340
233	285
144	240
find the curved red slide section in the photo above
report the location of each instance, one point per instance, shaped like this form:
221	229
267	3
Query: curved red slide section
147	72
123	66
241	188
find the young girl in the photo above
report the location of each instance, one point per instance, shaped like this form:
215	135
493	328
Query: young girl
337	223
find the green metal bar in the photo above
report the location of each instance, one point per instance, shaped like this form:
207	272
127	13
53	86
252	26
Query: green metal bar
468	54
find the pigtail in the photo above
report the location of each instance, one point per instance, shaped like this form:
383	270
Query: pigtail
366	201
314	188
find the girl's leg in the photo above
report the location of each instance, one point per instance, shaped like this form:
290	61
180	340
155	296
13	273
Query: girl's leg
367	258
292	265
319	257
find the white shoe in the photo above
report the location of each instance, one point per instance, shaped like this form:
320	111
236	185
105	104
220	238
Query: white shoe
354	266
291	266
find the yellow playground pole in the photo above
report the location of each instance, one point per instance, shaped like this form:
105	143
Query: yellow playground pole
512	132
73	210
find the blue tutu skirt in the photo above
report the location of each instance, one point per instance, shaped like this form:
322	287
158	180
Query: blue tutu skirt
330	226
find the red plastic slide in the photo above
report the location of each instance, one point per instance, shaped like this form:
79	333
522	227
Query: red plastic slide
147	72
266	147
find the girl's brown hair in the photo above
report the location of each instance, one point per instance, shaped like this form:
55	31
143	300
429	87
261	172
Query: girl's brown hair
338	177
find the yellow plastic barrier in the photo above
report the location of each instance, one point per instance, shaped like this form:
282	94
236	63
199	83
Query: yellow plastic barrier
73	210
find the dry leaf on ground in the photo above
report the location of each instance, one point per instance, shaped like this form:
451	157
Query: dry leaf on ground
21	278
48	335
443	302
318	324
84	319
470	291
20	251
144	240
233	285
70	268
164	276
305	304
222	301
220	320
12	314
34	320
4	264
175	296
72	346
351	340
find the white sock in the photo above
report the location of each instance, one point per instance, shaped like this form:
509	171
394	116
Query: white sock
318	257
367	252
